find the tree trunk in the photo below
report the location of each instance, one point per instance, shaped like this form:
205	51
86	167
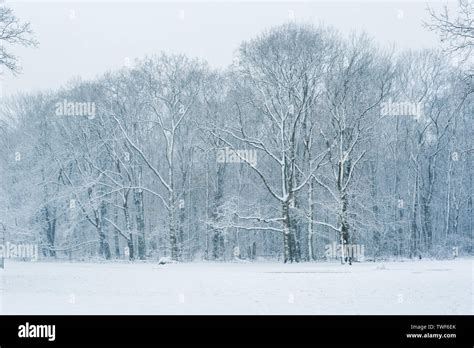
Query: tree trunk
116	235
126	216
217	238
140	219
287	249
414	227
104	248
51	230
172	231
310	221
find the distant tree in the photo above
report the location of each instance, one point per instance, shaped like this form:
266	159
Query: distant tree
13	32
457	32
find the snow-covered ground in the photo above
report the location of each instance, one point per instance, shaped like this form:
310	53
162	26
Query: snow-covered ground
415	287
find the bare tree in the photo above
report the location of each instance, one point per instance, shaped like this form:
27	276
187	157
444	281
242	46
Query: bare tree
280	76
13	32
457	31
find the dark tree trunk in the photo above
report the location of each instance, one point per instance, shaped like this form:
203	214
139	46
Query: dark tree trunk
287	238
50	230
140	219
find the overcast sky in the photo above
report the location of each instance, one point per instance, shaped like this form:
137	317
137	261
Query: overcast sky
88	38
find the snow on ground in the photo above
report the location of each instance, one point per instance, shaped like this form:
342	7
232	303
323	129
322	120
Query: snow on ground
414	287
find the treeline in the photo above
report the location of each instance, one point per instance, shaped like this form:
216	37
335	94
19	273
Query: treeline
306	139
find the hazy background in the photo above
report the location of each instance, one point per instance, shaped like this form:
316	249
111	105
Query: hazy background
88	38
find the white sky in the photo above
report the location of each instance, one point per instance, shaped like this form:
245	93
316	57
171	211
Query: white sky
88	38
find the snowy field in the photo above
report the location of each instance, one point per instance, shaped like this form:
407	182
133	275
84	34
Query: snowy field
415	287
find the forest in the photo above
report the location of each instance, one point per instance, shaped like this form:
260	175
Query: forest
308	139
